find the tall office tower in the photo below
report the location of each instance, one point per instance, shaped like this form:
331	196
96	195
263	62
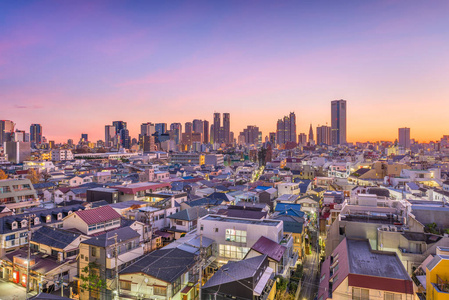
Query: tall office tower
338	122
17	151
146	143
124	138
227	139
292	128
250	135
212	133
109	133
19	136
147	129
404	137
197	126
36	134
302	139
70	142
217	126
273	138
6	131
323	135
84	137
161	128
188	127
311	134
286	129
119	125
206	132
176	129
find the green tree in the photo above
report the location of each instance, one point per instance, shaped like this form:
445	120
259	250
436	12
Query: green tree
90	278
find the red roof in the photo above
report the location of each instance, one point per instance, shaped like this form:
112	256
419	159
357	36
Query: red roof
381	283
97	215
138	187
272	249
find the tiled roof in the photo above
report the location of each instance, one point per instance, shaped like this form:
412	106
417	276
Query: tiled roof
272	249
189	214
54	237
141	186
107	239
97	215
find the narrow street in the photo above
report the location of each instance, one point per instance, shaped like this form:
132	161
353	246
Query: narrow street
309	286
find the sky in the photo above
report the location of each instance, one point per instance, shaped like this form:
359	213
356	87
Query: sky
75	66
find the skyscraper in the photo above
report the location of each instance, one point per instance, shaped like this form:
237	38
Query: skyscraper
311	140
197	126
217	126
206	132
338	122
404	137
147	129
323	135
119	125
176	129
188	128
161	128
36	134
6	131
227	128
250	135
286	129
109	133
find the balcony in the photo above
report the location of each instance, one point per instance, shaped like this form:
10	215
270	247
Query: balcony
286	239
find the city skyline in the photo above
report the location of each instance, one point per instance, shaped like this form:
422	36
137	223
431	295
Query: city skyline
175	62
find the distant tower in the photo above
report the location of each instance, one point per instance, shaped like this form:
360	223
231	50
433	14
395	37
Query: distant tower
338	122
404	137
217	125
36	134
311	134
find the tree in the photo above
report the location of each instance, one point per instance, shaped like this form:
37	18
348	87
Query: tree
90	278
3	175
33	176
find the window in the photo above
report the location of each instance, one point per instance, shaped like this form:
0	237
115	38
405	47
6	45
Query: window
201	228
125	285
160	290
230	251
54	253
176	286
10	237
238	236
72	253
48	219
14	225
179	222
93	251
360	294
34	247
392	296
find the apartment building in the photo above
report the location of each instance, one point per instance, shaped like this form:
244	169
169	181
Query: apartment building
18	194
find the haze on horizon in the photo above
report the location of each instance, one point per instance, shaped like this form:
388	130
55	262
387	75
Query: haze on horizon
75	66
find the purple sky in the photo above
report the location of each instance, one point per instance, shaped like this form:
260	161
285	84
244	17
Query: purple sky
74	66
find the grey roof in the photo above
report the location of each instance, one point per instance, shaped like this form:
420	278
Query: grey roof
5	222
107	239
164	264
189	214
234	271
436	259
364	261
54	237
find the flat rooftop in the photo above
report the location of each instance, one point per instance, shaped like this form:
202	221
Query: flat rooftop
217	218
364	261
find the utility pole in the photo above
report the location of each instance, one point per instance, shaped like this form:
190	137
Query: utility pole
116	268
62	284
200	279
28	256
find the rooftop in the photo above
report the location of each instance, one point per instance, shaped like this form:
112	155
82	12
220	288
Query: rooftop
242	221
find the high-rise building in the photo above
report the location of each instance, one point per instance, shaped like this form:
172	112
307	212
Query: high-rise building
302	139
217	126
36	134
119	125
324	135
250	135
125	139
109	133
206	132
6	131
84	137
161	128
188	127
197	126
404	137
273	138
212	132
176	130
146	143
147	129
338	122
19	136
311	140
227	128
17	151
286	129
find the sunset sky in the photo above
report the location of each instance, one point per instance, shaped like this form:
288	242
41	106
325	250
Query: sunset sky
75	66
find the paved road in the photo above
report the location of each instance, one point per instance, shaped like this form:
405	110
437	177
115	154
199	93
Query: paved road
309	286
11	291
